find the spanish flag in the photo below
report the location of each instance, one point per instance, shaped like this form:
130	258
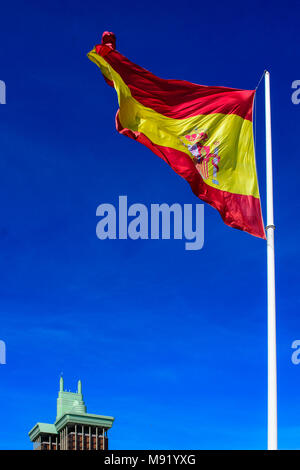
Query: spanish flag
203	132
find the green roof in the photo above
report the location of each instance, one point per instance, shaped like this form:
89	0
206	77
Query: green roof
42	428
86	419
70	409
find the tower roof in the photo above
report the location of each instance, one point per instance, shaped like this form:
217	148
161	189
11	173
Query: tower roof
70	409
70	402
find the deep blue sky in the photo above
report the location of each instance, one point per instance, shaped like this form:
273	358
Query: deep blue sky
170	342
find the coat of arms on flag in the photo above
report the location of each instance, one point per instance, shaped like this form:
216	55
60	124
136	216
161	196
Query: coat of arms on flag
206	159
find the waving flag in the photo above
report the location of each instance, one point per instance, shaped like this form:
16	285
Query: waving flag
203	132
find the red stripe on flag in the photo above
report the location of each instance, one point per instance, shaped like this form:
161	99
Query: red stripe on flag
178	99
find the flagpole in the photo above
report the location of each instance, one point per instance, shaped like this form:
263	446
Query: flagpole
272	360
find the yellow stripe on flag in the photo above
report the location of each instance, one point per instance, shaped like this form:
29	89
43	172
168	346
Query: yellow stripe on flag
237	172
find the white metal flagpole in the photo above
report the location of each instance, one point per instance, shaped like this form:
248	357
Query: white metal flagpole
272	359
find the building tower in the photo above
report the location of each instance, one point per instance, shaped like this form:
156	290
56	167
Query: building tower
74	428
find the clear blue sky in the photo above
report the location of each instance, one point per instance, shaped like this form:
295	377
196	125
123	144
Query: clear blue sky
170	342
